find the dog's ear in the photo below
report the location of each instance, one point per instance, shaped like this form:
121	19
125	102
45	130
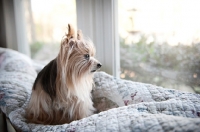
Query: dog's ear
71	32
79	35
70	37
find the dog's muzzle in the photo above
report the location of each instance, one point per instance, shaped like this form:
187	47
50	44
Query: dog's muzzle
97	67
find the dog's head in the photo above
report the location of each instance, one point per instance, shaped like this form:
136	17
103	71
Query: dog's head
76	57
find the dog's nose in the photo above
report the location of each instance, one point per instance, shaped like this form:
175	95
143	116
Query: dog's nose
99	65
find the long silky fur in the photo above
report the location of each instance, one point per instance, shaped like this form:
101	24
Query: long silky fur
62	90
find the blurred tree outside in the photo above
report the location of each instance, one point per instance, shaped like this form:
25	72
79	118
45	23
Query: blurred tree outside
162	65
160	43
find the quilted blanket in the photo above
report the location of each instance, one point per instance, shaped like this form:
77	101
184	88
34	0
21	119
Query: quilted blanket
122	105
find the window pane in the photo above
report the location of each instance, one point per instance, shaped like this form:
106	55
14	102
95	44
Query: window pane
160	42
47	22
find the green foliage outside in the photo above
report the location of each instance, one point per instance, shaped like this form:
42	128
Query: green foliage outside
44	52
35	47
163	65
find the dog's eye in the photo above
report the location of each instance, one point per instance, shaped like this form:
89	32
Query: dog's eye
87	56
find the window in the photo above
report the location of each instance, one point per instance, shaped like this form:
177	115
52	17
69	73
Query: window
150	41
160	42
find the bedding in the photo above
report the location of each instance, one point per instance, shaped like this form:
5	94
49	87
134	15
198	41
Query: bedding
122	105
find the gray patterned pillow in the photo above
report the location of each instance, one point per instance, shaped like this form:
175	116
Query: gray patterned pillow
16	78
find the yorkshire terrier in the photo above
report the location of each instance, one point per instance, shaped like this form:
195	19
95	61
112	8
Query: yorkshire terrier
62	90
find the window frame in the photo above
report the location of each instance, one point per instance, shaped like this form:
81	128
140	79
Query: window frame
98	20
14	29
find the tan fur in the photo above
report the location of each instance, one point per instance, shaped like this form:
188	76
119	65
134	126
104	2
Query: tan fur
73	84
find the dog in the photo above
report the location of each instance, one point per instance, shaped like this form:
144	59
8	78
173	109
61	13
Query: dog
61	92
